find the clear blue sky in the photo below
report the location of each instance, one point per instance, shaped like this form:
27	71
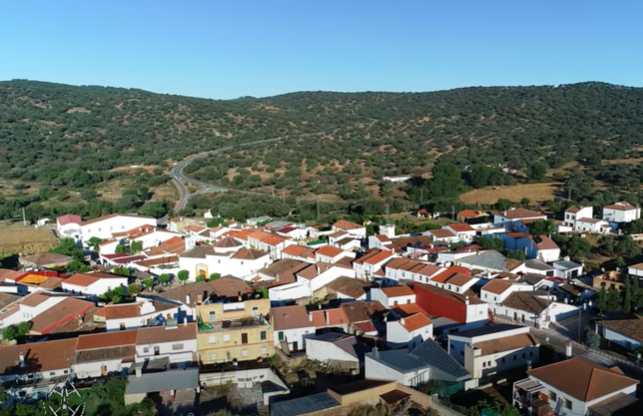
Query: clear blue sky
227	49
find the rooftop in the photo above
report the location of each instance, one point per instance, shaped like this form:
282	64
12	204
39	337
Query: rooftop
290	317
396	291
632	328
519	213
179	379
486	330
159	334
510	343
346	225
62	312
582	379
527	302
497	286
39	357
348	286
307	404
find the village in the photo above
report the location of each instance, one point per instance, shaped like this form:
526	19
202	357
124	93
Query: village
323	319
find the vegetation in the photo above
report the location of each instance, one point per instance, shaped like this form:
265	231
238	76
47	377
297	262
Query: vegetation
592	339
64	147
164	279
183	275
16	331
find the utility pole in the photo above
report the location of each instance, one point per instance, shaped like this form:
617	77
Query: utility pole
569	193
24	218
452	213
387	213
317	207
283	196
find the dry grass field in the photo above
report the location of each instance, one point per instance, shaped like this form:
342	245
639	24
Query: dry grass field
17	239
536	192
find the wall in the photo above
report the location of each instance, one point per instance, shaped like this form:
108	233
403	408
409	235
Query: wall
214	343
486	365
330	275
379	371
294	335
104	229
396	335
97	288
618	338
257	375
87	370
477	312
183	355
324	351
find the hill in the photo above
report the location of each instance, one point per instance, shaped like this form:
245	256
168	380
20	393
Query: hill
63	145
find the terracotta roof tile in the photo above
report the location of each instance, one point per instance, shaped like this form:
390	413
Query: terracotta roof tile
346	225
158	334
415	322
82	280
298	251
329	251
497	286
39	356
509	343
348	286
461	228
290	317
442	277
59	314
106	340
396	291
526	301
68	219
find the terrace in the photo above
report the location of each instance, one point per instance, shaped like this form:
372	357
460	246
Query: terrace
231	325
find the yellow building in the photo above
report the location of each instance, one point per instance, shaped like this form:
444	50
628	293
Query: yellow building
234	330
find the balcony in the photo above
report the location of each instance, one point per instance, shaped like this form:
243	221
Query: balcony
235	324
526	393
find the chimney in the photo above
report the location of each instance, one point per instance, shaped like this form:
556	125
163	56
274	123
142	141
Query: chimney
22	360
326	317
185	321
239	296
403	321
310	317
466	300
139	371
319	306
317	268
529	366
376	352
188	300
568	349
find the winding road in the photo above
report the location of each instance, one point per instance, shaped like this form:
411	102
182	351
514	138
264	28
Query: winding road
181	181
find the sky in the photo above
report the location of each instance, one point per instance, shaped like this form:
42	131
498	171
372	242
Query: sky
227	49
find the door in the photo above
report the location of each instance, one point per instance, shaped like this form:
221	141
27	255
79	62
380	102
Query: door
103	370
244	338
281	335
295	346
157	351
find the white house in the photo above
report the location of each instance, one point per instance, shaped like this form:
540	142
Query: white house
92	285
354	230
408	269
493	349
575	387
567	269
442	235
627	333
497	290
546	249
204	260
533	308
393	295
332	347
621	212
104	227
177	342
34	362
507	217
409	331
309	280
367	265
574	214
329	254
143	312
592	225
69	226
412	367
292	325
464	232
104	354
490	261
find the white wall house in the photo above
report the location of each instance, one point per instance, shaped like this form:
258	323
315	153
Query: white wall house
241	263
292	325
559	384
574	214
592	225
177	343
88	284
621	212
409	331
104	354
408	269
464	232
627	333
104	227
141	313
354	230
38	361
69	226
393	295
493	349
371	262
332	346
309	280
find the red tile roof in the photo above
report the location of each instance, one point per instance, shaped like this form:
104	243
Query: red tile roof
497	286
461	228
82	280
407	309
290	317
543	242
68	219
620	206
518	213
298	251
106	340
448	273
335	317
346	225
107	217
396	291
374	256
59	314
329	251
41	356
414	322
441	233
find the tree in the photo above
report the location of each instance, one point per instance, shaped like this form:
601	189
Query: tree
77	266
592	339
120	249
537	171
577	247
627	296
516	255
95	243
200	278
183	275
122	271
136	246
446	181
214	276
16	331
613	301
149	282
69	247
164	279
542	227
134	289
491	243
3	394
601	300
503	204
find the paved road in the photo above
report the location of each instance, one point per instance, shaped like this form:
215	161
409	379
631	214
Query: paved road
181	181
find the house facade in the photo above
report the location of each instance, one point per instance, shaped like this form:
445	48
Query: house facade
621	212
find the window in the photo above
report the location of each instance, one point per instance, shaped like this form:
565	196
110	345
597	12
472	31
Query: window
568	404
53	373
244	338
495	298
212	339
146	350
484	364
213	357
226	338
264	351
515	357
552	395
395	303
524	355
408	301
452	347
66	372
262	335
462	353
503	360
255	310
488	363
212	315
244	353
531	354
177	347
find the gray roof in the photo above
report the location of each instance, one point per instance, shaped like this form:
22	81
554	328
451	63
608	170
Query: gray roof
487	259
566	265
328	336
537	264
486	330
440	321
303	405
187	378
348	343
532	278
435	356
197	252
399	360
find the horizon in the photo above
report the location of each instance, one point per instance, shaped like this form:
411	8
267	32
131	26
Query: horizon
320	91
225	50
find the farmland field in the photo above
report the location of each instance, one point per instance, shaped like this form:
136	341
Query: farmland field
536	192
17	239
